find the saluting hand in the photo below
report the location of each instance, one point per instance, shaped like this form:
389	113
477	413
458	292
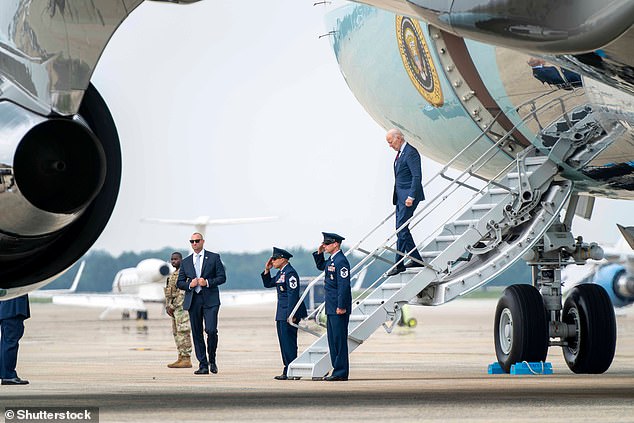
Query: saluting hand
321	249
268	265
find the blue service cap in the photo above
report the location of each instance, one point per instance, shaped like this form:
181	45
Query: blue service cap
329	238
280	253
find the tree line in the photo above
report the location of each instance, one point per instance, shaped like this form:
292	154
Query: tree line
243	269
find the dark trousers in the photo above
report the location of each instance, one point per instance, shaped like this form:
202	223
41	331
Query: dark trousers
11	330
404	241
287	336
199	313
337	328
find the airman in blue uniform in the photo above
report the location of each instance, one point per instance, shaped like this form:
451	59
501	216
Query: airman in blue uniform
13	313
338	302
286	282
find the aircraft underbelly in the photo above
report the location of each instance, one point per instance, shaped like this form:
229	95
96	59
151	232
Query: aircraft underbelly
443	91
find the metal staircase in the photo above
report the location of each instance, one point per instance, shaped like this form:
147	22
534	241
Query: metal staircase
507	214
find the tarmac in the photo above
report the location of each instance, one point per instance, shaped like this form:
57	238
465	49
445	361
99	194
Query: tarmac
434	372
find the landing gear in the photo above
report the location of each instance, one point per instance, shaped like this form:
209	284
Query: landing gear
521	329
591	347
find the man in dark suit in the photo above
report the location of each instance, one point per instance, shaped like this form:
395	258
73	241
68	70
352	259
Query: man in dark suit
13	313
199	276
338	302
286	282
408	192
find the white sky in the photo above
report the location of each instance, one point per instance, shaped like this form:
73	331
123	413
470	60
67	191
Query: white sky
238	109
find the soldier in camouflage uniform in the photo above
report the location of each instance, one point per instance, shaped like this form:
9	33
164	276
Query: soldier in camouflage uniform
180	318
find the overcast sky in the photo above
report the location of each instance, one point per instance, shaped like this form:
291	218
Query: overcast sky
238	109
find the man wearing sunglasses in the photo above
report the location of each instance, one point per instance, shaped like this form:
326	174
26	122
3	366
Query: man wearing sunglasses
286	282
338	302
199	276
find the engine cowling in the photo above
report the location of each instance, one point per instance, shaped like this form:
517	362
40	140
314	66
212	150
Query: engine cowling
59	181
618	283
127	281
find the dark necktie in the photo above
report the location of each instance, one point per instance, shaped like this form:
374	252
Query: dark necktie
398	153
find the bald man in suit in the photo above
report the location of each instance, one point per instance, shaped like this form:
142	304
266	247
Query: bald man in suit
199	276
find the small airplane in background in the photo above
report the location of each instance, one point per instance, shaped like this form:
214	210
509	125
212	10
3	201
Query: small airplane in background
131	288
201	223
50	293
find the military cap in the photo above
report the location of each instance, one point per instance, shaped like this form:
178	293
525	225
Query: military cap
280	253
329	238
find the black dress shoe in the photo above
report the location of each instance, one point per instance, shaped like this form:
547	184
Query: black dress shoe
281	377
335	378
202	371
413	264
213	368
15	381
395	271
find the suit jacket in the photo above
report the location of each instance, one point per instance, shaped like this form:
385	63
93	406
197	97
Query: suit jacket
408	176
212	270
286	281
15	307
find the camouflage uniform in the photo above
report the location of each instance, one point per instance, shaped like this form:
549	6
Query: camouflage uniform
180	322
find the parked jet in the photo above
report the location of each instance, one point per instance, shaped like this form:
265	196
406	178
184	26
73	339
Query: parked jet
50	293
453	76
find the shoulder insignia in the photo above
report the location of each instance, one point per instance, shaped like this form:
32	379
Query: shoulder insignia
344	272
292	281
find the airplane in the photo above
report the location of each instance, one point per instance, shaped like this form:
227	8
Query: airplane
50	293
132	287
201	223
452	76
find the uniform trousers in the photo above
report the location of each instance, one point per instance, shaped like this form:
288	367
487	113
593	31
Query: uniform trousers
337	328
287	336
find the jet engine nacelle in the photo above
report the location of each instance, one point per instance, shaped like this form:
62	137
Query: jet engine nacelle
127	281
59	180
618	283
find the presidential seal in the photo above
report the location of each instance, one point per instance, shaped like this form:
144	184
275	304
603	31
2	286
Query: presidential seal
417	60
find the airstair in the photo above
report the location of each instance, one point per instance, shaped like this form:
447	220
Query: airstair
507	214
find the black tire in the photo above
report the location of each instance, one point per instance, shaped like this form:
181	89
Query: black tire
521	327
591	349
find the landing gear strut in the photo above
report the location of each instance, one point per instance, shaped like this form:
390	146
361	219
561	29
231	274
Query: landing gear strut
529	319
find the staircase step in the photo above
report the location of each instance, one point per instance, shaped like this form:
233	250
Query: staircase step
447	238
487	206
392	286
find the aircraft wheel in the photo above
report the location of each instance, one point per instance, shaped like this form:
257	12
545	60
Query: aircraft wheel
412	323
521	328
591	348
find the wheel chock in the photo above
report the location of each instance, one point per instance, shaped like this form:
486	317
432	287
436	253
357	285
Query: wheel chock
532	368
495	369
523	368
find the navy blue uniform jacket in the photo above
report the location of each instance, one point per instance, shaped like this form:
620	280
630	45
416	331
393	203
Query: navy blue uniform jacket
15	307
286	281
212	269
336	281
408	176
